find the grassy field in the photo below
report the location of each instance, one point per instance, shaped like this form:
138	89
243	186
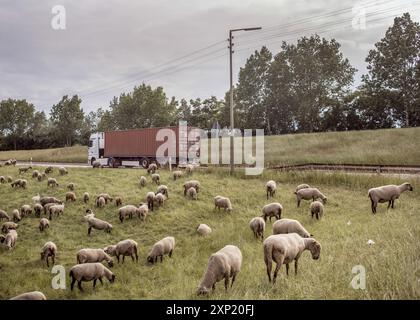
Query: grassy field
381	147
392	264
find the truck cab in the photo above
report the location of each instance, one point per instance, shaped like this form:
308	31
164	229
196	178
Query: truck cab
96	148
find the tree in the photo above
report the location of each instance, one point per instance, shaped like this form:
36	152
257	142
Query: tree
67	118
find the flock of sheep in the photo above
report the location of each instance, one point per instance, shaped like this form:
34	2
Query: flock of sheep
287	243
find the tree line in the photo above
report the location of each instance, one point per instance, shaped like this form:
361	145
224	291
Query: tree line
305	87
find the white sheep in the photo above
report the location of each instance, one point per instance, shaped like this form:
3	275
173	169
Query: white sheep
189	168
44	223
100	202
222	202
25	210
9	225
257	226
284	226
152	168
37	209
49	250
163	190
36	199
127	211
284	248
123	248
156	178
177	174
56	209
63	171
106	196
150	199
143	211
388	194
192	183
16	216
160	248
224	264
143	181
86	197
309	194
93	255
33	295
98	224
192	193
271	188
160	199
302	186
35	174
272	210
45	200
203	229
317	209
52	182
89	272
4	215
9	239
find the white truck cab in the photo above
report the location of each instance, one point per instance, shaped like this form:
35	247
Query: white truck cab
96	148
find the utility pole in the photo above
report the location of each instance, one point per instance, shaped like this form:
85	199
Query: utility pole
232	126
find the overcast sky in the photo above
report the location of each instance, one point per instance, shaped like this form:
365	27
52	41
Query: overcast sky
110	46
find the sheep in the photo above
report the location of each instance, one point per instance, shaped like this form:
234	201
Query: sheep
308	194
224	264
35	174
222	202
45	200
44	223
156	178
163	190
93	255
143	181
191	183
257	226
96	164
70	196
177	174
36	199
106	196
317	209
302	186
4	215
71	186
271	188
203	229
9	179
284	226
192	193
152	168
16	216
150	198
37	209
49	250
41	177
189	168
142	211
47	207
118	201
56	209
100	202
10	162
387	194
2	180
160	248
25	210
24	169
86	197
284	248
33	295
88	272
10	239
19	183
52	182
48	170
160	199
98	224
272	210
63	171
123	248
9	225
127	212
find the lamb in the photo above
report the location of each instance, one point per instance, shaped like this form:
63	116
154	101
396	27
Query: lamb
106	196
48	170
96	164
71	186
38	209
271	188
70	196
93	255
4	215
127	212
160	248
98	224
177	174
388	194
163	190
44	223
191	183
24	169
10	239
143	181
203	229
192	193
150	198
308	194
156	178
45	200
33	295
118	201
317	209
100	202
16	216
189	168
9	225
56	209
86	197
224	264
123	248
160	199
63	171
89	272
52	182
257	226
49	250
285	226
222	202
272	210
302	186
25	210
152	168
284	248
41	177
35	174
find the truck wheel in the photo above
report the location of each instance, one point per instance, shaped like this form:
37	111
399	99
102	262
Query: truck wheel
144	162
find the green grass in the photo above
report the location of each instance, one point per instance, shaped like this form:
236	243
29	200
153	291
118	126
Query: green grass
392	263
376	147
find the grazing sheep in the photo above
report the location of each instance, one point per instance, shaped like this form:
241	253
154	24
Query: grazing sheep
41	177
38	209
118	201
224	264
2	180
302	186
271	188
257	226
127	212
106	196
88	272
93	255
272	210
25	210
52	182
33	295
71	186
150	199
47	207
177	174
56	209
160	200
387	194
142	211
45	200
189	168
203	229
24	169
160	248
44	223
63	171
309	194
123	248
98	224
70	196
100	202
317	209
9	239
284	248
284	226
156	178
86	197
222	202
163	190
19	183
152	168
4	215
9	179
9	225
48	170
36	199
192	183
192	193
143	181
16	216
96	164
35	174
49	250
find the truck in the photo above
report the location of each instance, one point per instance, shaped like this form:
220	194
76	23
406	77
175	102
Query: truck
141	147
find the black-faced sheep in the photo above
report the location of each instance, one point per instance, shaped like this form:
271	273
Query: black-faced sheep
284	226
125	248
272	210
48	170
309	194
49	250
89	272
161	248
388	194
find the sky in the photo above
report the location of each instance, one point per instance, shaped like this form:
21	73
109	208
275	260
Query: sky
98	49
